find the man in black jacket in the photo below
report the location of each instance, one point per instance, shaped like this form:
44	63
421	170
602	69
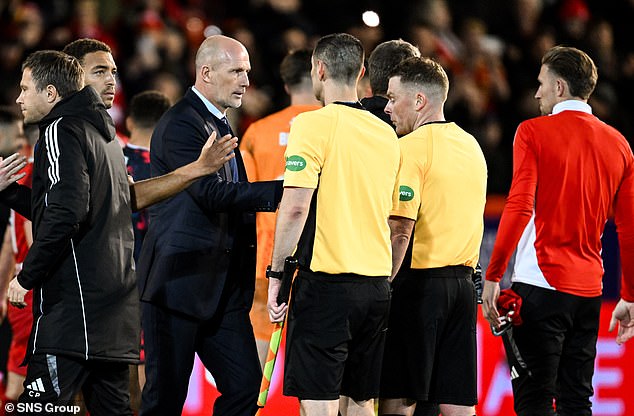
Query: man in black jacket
197	264
86	311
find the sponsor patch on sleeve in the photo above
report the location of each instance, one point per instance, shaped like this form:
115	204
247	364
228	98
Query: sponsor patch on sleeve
295	163
405	193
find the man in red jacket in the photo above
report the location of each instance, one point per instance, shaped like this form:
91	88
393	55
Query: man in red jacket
569	169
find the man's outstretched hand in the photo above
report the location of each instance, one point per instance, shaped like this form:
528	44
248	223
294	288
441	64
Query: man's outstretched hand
214	154
9	168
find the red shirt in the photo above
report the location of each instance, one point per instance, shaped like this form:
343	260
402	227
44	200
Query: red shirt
18	235
569	169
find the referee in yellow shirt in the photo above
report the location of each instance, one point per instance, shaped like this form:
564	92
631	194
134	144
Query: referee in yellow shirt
340	184
431	344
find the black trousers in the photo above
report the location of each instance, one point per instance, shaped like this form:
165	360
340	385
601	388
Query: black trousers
426	409
551	355
53	380
225	345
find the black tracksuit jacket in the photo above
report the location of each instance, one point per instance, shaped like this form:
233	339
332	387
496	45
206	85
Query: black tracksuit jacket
80	265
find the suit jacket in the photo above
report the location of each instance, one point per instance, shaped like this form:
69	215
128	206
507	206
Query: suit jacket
201	239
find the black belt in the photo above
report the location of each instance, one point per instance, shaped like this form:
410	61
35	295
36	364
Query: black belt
460	272
339	277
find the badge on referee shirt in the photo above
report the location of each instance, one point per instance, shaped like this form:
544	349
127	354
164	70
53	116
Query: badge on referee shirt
295	163
405	193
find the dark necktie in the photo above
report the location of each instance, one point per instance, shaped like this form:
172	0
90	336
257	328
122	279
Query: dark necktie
223	129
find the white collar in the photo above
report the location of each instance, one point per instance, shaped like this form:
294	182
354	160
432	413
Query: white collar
572	105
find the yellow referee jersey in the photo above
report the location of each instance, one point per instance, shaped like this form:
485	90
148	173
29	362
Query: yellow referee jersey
442	187
352	160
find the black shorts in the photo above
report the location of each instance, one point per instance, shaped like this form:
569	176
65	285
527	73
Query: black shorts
336	336
430	352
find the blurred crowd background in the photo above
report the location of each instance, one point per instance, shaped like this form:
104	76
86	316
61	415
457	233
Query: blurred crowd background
490	48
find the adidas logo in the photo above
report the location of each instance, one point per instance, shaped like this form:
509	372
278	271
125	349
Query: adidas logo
37	385
514	373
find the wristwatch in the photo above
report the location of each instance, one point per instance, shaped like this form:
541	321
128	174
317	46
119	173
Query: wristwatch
270	273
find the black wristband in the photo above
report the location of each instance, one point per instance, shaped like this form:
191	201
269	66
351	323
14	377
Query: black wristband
275	275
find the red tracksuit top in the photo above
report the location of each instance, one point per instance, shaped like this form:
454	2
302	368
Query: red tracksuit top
569	170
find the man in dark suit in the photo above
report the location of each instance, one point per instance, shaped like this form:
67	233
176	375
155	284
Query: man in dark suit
197	266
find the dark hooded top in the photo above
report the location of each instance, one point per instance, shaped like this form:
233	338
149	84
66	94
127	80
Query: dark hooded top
80	265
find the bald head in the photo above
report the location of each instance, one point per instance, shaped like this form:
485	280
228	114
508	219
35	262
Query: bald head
222	67
218	48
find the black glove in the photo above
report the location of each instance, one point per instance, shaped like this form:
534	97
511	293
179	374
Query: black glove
476	278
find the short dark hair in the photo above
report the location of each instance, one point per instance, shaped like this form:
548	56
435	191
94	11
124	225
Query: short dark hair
384	58
81	47
575	67
55	68
342	54
146	108
426	73
295	68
